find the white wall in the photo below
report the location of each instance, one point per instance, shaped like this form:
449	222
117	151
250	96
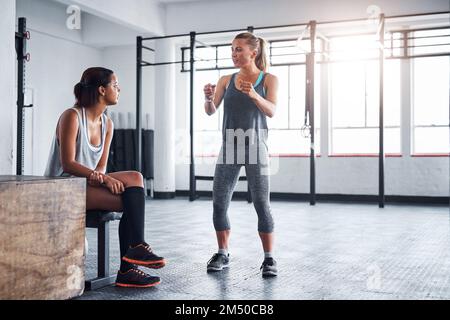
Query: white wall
58	59
122	60
144	16
7	81
53	77
406	175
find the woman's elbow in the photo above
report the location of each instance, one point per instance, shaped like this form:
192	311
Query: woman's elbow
67	166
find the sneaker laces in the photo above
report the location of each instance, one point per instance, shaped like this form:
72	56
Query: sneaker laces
139	272
267	262
147	247
214	258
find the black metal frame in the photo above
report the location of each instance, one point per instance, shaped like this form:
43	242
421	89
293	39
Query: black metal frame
192	178
381	155
309	93
309	108
100	220
21	38
138	149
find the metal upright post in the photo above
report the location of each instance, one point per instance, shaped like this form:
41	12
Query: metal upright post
138	150
192	181
250	29
103	250
310	66
381	155
21	50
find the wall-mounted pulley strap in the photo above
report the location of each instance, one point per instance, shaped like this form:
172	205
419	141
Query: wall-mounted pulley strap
21	36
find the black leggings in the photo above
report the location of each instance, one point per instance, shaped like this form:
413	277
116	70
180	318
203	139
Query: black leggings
131	226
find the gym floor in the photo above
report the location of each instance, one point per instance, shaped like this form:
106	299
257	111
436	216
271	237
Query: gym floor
326	251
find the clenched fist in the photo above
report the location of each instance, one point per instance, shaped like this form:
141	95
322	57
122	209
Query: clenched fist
210	91
247	88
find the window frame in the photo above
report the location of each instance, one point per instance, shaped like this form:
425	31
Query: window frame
397	46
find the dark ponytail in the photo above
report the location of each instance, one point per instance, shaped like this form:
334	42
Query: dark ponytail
86	91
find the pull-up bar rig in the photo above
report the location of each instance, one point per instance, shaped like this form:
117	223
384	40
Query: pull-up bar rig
309	97
21	37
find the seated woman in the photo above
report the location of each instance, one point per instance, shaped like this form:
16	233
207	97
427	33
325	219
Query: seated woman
80	148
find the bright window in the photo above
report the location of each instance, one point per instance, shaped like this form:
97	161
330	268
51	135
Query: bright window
284	128
430	92
285	136
207	136
354	99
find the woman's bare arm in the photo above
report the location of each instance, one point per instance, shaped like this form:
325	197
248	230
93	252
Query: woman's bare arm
212	106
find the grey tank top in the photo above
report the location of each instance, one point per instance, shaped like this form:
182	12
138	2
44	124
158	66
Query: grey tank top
240	112
86	154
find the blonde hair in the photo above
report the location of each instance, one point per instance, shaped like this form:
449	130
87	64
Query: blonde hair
256	43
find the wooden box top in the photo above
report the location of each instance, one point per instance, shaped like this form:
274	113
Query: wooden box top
25	179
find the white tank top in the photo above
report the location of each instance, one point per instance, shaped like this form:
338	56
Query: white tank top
86	154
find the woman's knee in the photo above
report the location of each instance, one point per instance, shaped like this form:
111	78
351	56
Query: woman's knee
134	179
265	219
266	226
261	203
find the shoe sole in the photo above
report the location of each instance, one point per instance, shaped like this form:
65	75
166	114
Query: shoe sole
149	264
216	269
269	274
125	285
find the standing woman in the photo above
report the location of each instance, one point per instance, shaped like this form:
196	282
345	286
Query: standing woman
249	97
80	148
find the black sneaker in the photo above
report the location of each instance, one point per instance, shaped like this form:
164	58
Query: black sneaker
135	278
269	267
218	262
142	255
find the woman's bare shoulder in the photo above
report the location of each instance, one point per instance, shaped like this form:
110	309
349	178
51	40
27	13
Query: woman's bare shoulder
225	80
271	77
270	80
69	116
71	112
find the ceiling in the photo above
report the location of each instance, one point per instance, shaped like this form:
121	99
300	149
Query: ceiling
175	1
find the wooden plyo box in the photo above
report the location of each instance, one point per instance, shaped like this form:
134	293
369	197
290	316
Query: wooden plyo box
42	232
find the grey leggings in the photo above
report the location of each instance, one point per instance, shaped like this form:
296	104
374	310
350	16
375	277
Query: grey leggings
225	178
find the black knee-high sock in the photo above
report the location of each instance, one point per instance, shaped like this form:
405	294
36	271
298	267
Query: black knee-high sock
131	227
124	242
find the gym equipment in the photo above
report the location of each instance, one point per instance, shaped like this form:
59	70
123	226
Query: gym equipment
308	128
42	229
22	36
99	220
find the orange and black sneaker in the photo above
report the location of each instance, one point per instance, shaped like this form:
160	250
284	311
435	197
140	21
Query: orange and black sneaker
135	278
143	255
